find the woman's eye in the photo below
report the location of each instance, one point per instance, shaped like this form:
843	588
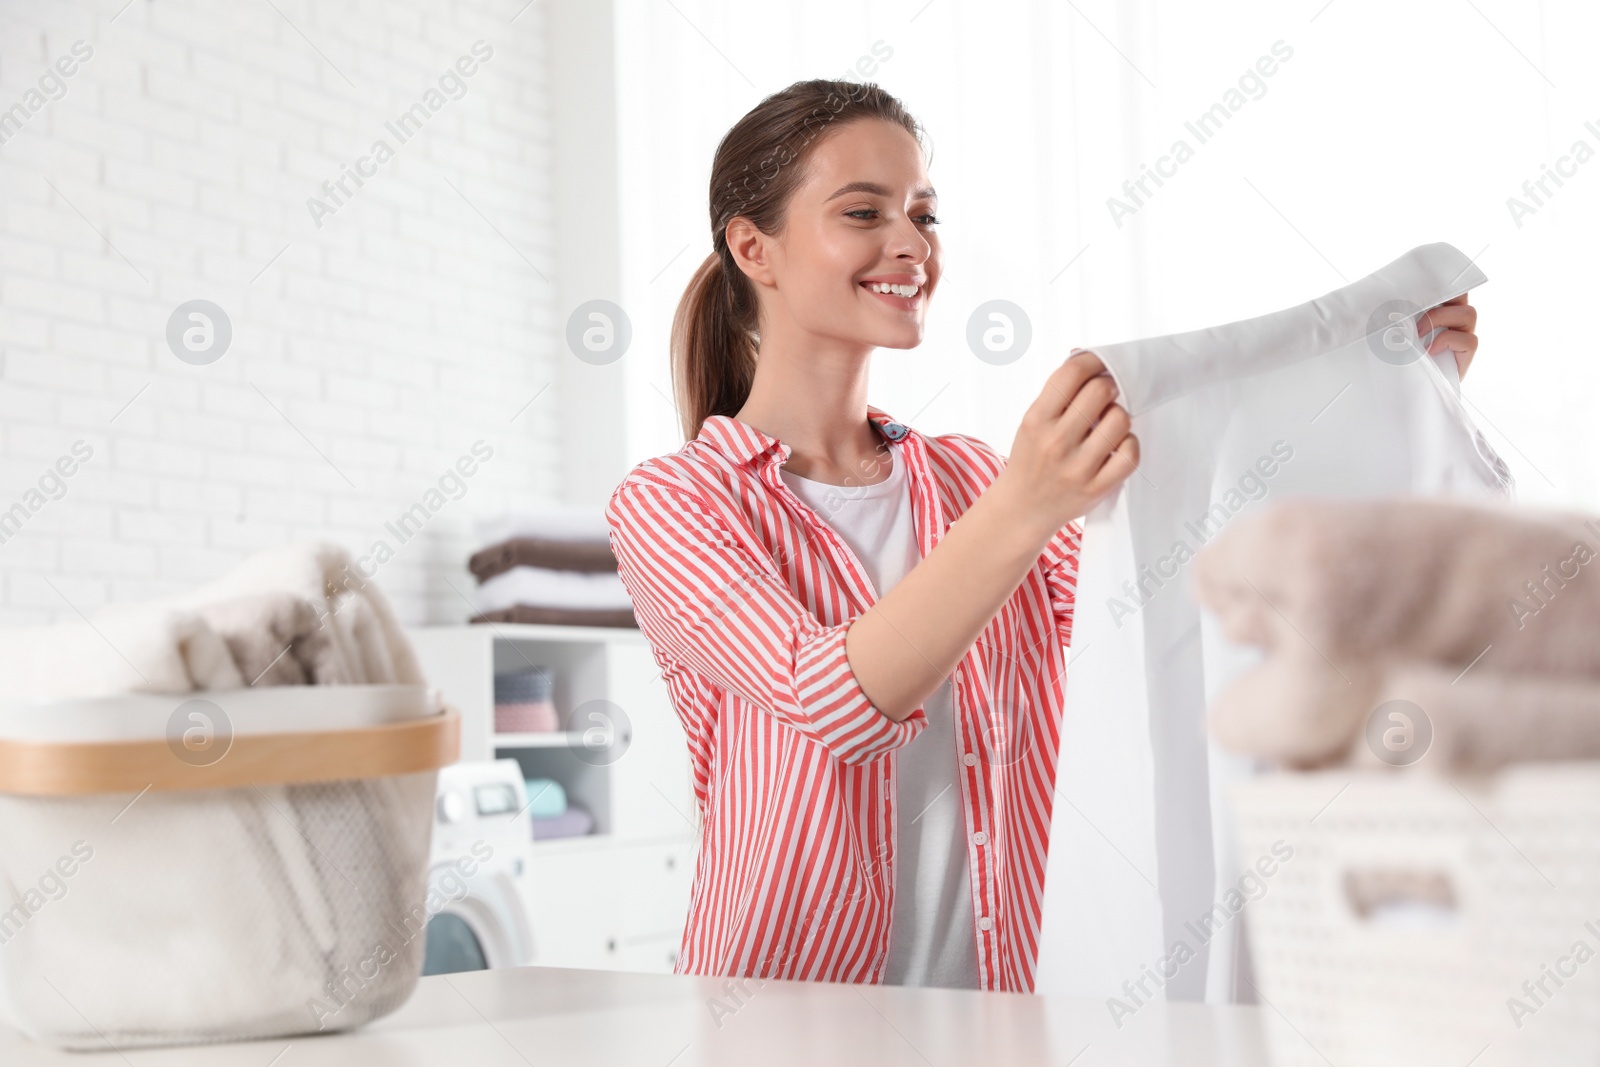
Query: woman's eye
864	213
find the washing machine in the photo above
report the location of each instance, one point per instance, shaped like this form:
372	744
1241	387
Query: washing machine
480	869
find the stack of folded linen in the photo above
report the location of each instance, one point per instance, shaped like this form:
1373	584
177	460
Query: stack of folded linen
1485	618
552	814
553	566
296	615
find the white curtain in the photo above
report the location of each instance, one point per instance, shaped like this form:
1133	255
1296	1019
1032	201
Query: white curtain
1387	126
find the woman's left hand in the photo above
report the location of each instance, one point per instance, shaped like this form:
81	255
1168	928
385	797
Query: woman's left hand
1459	319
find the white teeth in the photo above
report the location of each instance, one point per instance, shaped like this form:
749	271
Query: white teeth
897	290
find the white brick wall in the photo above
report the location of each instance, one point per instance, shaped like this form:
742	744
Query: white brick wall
389	340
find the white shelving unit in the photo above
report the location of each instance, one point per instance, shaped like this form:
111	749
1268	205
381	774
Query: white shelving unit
615	898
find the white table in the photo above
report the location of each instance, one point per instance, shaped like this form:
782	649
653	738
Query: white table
547	1016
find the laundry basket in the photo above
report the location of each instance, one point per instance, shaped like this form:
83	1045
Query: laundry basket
215	866
1422	921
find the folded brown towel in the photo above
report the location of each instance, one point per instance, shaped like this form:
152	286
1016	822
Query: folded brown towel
528	613
1484	616
590	557
274	638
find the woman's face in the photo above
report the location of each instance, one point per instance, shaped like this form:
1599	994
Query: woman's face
863	218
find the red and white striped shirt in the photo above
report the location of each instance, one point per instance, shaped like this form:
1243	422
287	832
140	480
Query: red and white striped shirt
745	595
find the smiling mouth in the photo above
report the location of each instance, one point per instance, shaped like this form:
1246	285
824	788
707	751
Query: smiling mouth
903	296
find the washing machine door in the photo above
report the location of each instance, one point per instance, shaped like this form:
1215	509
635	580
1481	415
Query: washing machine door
487	927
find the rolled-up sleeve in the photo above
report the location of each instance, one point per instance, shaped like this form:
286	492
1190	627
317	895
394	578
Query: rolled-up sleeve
1060	562
714	603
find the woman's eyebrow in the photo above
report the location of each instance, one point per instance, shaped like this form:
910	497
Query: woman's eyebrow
878	190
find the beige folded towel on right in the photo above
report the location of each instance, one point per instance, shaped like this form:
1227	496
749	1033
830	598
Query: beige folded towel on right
1481	721
1419	579
1358	602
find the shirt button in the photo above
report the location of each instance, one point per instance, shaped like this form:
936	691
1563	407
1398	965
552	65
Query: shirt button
970	759
986	923
980	838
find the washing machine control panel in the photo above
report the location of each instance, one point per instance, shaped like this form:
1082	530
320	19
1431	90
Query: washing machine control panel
481	801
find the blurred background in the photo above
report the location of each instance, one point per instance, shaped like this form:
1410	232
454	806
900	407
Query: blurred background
388	313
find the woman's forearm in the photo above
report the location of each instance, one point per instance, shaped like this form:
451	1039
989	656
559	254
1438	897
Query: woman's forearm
913	637
1072	448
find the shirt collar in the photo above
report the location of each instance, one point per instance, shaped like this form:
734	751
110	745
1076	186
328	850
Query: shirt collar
743	443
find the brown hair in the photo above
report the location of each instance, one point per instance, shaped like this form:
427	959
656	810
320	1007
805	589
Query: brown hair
758	165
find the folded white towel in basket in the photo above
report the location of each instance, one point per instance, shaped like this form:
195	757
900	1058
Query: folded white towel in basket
301	613
121	648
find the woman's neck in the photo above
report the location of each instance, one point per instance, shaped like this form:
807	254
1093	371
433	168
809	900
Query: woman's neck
818	407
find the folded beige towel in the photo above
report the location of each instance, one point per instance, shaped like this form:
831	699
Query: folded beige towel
1298	712
1485	616
1419	579
1482	720
275	638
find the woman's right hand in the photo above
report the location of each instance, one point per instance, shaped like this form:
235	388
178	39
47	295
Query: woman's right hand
1072	448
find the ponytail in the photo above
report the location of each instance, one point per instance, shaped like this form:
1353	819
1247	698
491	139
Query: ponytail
713	343
757	167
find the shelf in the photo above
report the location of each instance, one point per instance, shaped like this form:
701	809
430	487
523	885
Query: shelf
518	631
551	739
580	843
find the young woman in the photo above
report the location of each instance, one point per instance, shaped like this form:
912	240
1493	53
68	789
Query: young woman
862	629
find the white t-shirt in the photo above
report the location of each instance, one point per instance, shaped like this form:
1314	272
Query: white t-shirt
932	941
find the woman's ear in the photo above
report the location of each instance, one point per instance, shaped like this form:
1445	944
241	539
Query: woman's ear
751	250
